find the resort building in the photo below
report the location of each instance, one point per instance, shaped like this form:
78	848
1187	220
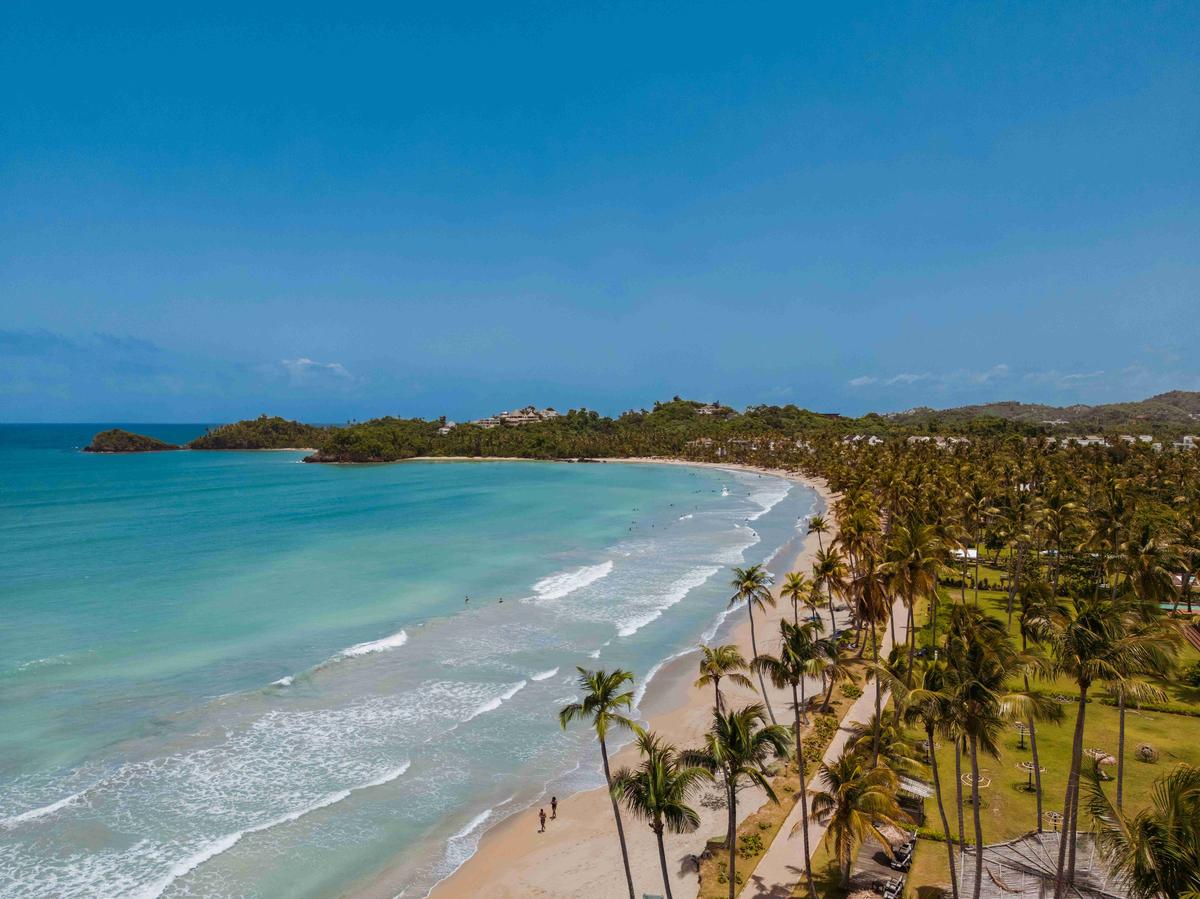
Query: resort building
1188	441
523	416
709	409
447	428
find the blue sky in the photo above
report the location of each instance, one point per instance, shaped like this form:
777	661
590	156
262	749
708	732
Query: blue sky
333	211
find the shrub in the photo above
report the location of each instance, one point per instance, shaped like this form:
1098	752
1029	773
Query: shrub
1191	675
749	845
851	691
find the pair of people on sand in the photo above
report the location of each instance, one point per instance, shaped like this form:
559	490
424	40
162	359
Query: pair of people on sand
553	813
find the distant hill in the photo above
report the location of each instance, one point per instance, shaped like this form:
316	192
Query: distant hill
119	441
1174	412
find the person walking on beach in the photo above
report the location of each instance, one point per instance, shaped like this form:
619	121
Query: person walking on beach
553	807
542	819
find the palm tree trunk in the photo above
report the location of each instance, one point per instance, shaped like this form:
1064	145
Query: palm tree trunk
617	815
761	683
732	840
662	859
717	690
976	569
1016	581
975	815
832	622
1120	747
802	767
878	693
1070	801
958	785
937	791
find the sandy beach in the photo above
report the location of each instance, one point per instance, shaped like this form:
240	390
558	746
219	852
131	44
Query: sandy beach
578	855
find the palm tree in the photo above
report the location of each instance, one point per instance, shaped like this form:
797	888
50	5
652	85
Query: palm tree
1093	641
722	662
1155	852
930	704
819	526
738	748
981	661
604	706
799	655
835	666
752	586
795	588
857	801
913	557
829	573
657	791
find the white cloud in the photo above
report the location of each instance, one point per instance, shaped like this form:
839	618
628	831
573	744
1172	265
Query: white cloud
862	381
304	367
905	378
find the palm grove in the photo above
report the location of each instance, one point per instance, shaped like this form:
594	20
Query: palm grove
1092	545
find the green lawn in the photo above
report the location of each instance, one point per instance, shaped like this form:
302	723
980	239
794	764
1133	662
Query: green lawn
1008	807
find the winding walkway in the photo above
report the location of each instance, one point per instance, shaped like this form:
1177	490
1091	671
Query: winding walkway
782	868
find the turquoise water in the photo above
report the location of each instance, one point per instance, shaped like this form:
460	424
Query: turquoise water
234	674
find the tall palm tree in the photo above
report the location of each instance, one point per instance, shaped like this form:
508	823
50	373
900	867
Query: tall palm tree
857	801
605	702
1091	642
819	526
981	661
795	588
1155	852
930	704
799	656
719	662
752	586
914	554
658	790
873	607
830	574
738	747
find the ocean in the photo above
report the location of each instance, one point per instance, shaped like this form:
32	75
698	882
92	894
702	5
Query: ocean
233	674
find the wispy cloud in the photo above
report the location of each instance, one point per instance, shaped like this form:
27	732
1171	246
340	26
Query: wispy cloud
905	378
940	379
862	381
304	367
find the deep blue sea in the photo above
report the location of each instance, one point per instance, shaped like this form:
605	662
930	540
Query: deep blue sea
233	674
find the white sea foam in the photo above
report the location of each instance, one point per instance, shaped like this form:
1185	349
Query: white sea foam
542	675
226	842
686	517
594	654
676	592
35	813
286	681
639	692
556	586
724	490
769	497
395	641
496	701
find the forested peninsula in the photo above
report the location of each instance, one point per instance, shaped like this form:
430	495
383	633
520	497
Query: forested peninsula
689	429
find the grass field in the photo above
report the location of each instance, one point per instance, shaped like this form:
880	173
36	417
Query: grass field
1008	807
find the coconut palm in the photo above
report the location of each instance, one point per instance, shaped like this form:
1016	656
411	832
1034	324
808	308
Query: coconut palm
1093	641
605	702
835	666
738	748
914	554
799	657
830	574
796	588
930	704
857	801
981	661
819	526
719	662
1155	852
658	790
752	586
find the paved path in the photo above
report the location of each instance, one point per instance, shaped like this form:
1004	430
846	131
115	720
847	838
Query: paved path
782	868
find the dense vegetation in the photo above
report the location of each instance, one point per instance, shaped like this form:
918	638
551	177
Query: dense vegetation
119	441
262	433
1091	554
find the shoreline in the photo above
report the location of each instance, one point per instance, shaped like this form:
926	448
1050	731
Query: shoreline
578	856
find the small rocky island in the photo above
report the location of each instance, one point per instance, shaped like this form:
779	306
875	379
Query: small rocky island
117	440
